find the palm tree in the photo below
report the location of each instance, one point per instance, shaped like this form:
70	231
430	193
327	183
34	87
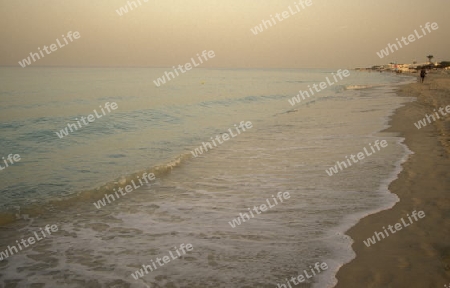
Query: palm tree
429	58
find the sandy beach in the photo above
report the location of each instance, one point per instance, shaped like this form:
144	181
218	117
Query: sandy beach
417	255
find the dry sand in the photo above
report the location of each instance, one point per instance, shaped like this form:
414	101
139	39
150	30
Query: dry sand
418	255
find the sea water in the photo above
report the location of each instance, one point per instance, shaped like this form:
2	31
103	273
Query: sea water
193	199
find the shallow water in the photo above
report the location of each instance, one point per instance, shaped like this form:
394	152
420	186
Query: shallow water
193	199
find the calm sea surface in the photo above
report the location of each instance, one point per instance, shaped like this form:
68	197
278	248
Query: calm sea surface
192	199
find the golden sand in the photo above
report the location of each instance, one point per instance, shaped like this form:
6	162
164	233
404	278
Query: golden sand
419	255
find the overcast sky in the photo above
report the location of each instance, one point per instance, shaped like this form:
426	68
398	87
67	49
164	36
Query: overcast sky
162	33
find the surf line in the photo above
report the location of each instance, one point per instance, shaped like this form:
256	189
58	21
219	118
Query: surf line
128	189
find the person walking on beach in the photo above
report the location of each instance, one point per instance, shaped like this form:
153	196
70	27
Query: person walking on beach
423	72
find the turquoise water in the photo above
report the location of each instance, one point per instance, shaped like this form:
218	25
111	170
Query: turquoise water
192	199
151	126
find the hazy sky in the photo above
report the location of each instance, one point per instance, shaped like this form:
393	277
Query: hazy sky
328	34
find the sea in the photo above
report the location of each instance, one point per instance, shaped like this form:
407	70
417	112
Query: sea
192	200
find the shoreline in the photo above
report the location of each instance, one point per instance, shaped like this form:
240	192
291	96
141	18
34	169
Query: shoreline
418	256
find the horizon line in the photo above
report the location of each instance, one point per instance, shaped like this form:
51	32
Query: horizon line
160	67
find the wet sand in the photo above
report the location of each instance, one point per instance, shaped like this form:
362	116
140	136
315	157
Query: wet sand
417	255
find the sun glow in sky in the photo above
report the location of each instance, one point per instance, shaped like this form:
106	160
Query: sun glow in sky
157	33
